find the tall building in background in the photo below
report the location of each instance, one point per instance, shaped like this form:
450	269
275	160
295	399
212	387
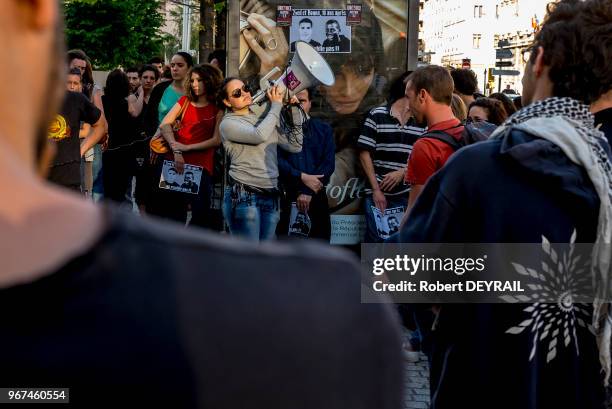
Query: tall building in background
460	33
516	23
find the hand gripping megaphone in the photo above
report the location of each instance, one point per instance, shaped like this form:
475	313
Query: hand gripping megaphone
308	68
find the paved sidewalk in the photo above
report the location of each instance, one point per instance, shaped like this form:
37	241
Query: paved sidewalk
416	388
416	383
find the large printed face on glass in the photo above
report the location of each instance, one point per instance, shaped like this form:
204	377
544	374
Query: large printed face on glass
349	90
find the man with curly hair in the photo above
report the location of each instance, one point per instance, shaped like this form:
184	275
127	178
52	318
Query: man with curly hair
546	172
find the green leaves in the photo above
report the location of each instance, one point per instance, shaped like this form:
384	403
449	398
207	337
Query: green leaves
114	32
219	6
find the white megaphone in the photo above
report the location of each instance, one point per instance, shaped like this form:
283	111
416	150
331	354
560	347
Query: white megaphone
308	68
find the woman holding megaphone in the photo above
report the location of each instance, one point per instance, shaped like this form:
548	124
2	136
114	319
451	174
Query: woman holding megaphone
250	136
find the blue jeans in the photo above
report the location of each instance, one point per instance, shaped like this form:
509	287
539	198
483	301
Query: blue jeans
371	233
98	182
251	215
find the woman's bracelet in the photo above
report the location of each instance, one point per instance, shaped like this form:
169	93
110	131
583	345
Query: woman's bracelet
177	152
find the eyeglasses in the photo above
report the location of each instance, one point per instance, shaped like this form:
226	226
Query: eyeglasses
237	93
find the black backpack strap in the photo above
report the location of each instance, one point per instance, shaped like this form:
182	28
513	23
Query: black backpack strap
444	137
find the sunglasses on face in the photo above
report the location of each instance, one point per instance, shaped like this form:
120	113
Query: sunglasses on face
237	93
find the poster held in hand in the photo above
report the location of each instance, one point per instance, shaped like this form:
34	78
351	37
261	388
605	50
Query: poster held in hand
388	223
187	182
299	222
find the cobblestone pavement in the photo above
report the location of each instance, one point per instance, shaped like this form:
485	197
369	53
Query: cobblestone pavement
416	384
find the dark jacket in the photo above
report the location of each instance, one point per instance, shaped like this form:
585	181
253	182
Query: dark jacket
315	158
150	119
513	190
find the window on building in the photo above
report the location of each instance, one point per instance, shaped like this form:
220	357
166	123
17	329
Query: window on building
476	40
478	13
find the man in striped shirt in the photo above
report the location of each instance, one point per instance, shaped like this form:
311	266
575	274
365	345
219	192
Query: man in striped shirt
385	142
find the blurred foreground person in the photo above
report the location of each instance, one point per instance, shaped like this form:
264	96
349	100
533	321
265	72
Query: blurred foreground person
119	309
545	174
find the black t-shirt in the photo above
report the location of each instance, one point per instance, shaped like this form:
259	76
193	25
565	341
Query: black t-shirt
123	128
66	167
158	316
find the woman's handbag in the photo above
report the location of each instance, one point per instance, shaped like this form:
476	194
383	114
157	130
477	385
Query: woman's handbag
157	143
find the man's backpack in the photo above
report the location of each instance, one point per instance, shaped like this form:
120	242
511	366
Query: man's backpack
472	133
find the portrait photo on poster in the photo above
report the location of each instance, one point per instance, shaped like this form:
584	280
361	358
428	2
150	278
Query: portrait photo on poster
187	182
388	223
324	29
299	222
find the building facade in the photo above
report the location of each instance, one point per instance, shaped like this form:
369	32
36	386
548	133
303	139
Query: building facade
460	33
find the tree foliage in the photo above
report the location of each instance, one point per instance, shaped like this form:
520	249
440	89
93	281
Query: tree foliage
114	32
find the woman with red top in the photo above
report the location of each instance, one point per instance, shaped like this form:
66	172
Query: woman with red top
193	144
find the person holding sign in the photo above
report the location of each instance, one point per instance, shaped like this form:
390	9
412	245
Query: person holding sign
194	143
305	174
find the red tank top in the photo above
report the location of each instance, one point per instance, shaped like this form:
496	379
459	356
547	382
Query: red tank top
198	125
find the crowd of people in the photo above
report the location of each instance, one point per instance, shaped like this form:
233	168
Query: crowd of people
189	115
268	171
442	163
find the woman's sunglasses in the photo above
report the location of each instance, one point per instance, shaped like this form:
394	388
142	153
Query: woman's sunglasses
237	93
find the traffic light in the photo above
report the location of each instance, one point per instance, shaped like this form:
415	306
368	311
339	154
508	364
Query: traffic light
490	80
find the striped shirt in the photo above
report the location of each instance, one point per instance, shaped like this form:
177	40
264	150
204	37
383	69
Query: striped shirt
389	144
